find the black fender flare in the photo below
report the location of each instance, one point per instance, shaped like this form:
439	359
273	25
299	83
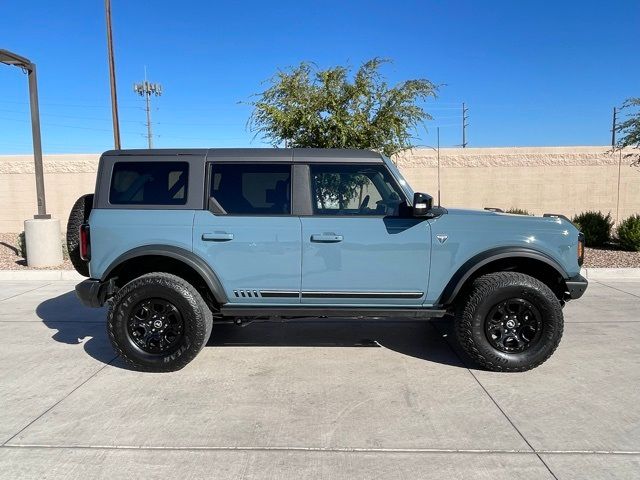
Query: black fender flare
480	260
187	257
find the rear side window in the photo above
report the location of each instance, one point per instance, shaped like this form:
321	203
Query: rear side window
252	189
149	183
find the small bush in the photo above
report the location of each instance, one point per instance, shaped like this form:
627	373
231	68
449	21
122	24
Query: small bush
629	233
596	227
518	211
22	246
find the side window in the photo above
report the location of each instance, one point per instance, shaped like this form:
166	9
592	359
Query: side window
149	183
354	190
252	188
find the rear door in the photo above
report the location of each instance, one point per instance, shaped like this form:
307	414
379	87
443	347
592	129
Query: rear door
356	249
248	234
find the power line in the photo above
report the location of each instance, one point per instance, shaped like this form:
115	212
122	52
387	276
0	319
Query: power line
77	117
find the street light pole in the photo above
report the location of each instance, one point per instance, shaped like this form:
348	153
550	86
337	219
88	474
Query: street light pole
438	130
437	150
37	143
42	233
9	58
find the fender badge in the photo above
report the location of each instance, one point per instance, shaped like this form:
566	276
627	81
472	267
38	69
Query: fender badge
442	237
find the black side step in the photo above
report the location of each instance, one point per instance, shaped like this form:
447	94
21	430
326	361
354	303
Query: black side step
304	311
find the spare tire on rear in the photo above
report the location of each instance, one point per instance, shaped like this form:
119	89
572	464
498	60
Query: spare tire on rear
79	215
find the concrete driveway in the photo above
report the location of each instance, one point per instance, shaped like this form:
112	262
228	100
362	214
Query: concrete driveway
334	400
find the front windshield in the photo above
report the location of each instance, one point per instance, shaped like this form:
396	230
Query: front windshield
401	181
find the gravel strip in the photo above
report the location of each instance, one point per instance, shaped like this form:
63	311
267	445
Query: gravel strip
602	258
10	258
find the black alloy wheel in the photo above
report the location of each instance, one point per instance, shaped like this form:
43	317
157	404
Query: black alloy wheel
155	326
513	325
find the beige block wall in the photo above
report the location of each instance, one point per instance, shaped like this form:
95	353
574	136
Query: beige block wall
565	180
66	178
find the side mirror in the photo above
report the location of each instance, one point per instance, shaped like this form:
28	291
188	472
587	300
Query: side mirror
422	204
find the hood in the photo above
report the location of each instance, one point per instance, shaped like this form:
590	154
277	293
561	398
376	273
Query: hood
545	219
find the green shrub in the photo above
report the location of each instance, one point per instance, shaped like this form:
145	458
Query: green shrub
22	246
518	211
629	233
596	227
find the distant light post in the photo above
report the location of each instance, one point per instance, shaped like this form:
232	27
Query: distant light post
9	58
437	150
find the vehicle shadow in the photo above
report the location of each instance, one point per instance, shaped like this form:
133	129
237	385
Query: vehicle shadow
420	339
75	324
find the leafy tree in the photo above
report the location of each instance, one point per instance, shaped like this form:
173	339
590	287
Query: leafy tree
630	130
308	107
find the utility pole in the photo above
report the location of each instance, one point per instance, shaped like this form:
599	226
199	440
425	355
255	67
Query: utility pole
613	128
465	117
146	89
112	78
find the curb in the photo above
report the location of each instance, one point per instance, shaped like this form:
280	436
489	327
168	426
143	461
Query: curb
588	273
43	275
611	273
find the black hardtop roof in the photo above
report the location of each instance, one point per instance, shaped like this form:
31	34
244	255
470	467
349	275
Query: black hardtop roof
259	154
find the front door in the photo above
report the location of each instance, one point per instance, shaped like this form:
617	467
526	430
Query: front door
248	235
356	249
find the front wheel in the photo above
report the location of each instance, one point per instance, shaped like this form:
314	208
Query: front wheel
509	322
158	322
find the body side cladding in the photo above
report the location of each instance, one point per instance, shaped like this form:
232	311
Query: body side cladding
188	258
480	260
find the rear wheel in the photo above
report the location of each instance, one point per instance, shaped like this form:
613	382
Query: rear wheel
159	322
79	214
509	322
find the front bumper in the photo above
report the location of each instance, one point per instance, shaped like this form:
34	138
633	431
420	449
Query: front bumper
94	293
576	286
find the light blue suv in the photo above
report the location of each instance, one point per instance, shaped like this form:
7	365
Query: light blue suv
175	240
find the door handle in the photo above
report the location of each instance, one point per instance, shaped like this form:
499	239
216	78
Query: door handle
217	237
326	238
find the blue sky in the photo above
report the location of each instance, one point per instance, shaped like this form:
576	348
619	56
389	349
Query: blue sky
532	72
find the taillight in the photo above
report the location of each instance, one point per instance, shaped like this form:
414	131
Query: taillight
580	248
85	242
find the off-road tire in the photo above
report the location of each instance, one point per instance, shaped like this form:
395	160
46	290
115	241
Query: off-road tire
197	317
79	215
486	292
